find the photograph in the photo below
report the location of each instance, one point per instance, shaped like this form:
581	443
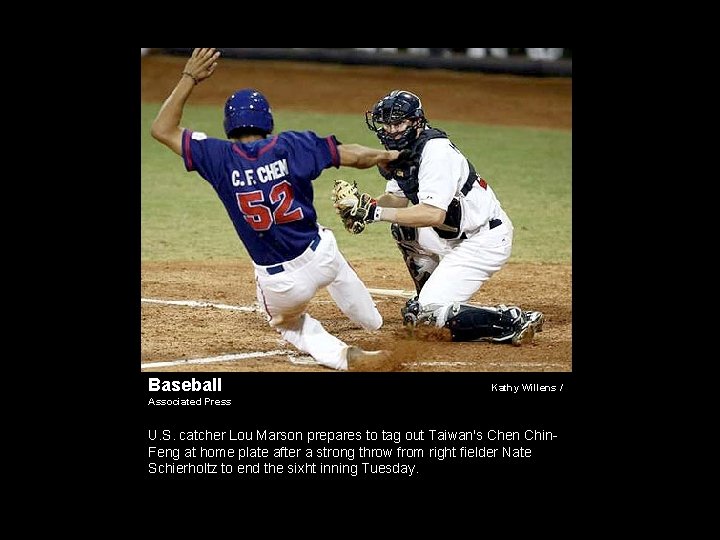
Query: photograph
356	210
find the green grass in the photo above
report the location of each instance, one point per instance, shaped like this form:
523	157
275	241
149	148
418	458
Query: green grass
529	169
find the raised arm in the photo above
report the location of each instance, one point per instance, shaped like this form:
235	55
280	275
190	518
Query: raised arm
166	126
363	157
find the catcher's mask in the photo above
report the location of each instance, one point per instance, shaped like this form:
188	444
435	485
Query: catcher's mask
397	106
247	110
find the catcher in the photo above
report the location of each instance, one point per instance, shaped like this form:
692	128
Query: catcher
453	237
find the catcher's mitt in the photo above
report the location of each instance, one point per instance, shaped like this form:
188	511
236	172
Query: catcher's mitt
352	206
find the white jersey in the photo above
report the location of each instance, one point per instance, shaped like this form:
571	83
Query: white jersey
442	174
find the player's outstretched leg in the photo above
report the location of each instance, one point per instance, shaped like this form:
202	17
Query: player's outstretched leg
309	336
353	298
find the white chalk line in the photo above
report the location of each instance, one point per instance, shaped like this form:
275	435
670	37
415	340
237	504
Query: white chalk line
193	303
434	364
301	360
255	307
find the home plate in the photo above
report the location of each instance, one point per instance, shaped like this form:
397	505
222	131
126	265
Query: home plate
302	360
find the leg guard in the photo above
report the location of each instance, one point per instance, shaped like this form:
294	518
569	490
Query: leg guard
420	264
499	324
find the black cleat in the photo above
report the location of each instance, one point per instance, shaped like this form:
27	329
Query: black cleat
524	334
537	319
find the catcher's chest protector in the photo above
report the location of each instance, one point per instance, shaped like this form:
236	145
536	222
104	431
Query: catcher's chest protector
407	178
407	174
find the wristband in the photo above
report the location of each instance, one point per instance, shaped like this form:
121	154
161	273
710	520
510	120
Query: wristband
378	213
191	76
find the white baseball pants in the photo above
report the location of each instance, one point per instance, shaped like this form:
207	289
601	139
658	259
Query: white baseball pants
465	267
286	295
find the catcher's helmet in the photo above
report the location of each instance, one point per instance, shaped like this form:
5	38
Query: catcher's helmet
248	109
397	106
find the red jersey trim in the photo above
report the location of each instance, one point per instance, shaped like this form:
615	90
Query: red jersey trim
236	149
333	151
187	153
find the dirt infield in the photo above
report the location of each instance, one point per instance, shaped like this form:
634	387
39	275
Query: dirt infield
175	332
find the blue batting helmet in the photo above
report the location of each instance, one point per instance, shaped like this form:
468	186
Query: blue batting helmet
248	109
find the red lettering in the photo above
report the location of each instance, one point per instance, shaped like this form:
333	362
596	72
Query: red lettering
259	216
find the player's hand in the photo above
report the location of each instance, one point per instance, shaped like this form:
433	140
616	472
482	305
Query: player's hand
403	158
400	160
201	64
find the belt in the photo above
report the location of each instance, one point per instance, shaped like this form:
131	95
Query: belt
493	223
272	270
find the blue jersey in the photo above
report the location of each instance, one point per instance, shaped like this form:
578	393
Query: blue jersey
266	187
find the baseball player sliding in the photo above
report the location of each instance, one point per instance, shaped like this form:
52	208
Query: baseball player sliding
265	185
453	237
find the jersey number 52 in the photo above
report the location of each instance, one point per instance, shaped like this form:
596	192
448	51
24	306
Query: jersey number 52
259	216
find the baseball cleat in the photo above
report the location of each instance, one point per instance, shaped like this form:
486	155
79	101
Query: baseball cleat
410	319
524	334
410	312
537	319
